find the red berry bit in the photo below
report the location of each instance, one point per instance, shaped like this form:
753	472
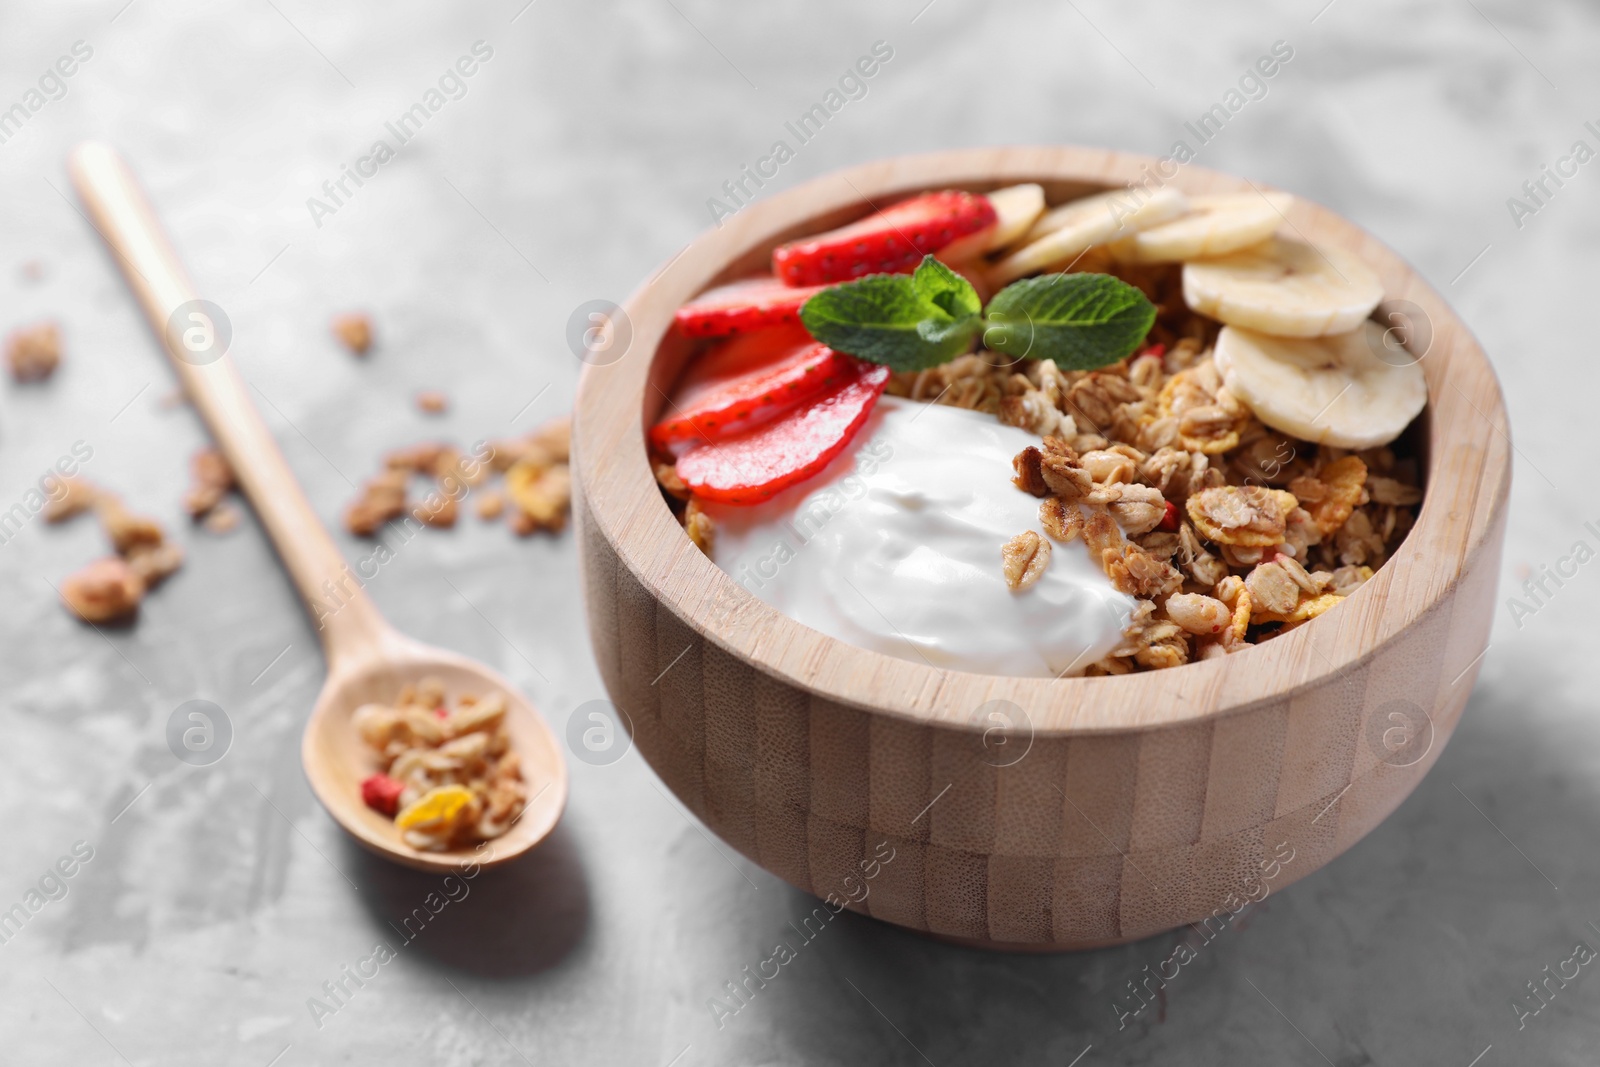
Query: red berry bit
892	241
382	794
754	466
741	306
1169	520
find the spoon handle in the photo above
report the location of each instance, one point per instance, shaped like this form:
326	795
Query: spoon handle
195	337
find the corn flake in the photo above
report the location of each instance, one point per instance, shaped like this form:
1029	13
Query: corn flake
1242	515
1333	492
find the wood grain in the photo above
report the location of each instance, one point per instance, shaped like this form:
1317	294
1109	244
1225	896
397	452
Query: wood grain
1145	800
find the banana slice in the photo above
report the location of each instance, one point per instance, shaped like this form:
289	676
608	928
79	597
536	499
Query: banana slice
1214	226
1334	390
1284	287
1018	207
1066	232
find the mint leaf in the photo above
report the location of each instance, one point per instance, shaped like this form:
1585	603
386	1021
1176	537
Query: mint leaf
1079	321
945	289
905	322
950	339
873	318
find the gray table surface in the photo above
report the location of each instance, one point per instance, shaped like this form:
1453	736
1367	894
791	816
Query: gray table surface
219	899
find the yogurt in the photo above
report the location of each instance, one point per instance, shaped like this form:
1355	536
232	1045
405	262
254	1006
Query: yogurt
895	547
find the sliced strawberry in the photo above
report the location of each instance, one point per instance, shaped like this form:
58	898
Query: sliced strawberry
753	466
740	354
747	304
892	241
747	400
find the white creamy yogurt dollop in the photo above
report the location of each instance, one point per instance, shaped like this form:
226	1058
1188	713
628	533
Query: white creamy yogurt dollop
896	546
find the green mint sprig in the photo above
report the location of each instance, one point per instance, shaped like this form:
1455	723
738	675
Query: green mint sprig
929	317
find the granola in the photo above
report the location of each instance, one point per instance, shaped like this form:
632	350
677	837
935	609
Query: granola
382	498
110	589
222	519
104	591
34	352
542	492
1268	532
1242	515
354	331
1199	614
491	505
537	491
1026	556
698	525
212	480
448	775
972	382
1333	493
77	496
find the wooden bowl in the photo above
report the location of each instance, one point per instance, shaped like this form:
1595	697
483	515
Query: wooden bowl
1140	802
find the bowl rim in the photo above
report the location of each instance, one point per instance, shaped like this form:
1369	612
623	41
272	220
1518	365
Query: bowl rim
1468	451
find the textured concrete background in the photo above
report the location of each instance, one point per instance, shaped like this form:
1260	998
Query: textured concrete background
220	898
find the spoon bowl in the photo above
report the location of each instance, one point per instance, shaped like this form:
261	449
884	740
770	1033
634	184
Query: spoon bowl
368	660
336	759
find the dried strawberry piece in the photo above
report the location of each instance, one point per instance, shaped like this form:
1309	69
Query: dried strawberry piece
710	408
892	241
751	467
1169	519
747	304
382	794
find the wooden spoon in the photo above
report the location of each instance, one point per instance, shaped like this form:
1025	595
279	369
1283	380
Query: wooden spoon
368	660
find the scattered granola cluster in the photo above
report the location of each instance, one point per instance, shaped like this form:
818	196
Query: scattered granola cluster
206	499
385	496
34	352
110	589
538	483
449	774
1226	532
354	331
